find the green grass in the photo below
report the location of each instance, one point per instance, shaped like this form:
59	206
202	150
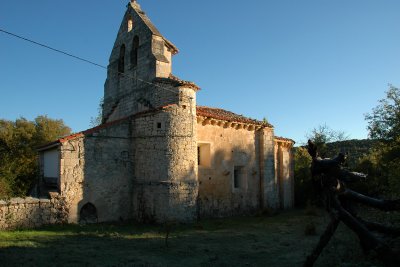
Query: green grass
243	241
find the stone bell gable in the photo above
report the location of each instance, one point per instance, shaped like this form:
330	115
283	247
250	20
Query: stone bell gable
139	55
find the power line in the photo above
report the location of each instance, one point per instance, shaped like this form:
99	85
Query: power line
51	48
98	65
84	60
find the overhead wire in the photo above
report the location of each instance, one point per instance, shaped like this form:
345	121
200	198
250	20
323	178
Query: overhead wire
100	66
84	60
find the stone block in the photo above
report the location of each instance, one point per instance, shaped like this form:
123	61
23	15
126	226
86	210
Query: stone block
17	200
31	200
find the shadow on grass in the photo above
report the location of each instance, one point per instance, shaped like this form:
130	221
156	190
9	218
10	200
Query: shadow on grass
242	241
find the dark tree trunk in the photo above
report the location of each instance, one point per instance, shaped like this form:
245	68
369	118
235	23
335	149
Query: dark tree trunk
333	178
323	241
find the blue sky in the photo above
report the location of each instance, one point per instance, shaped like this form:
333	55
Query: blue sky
298	63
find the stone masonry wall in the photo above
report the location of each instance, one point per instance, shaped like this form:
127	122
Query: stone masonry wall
183	169
165	180
31	212
129	92
229	148
97	169
285	174
269	182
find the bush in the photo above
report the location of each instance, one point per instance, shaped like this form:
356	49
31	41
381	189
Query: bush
306	190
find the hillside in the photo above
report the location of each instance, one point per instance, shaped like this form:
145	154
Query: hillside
356	149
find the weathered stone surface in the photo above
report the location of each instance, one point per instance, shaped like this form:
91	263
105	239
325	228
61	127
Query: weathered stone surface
143	162
27	213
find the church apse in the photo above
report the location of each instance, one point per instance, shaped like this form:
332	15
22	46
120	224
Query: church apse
236	164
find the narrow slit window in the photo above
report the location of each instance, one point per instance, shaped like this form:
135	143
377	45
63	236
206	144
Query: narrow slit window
135	50
238	177
121	61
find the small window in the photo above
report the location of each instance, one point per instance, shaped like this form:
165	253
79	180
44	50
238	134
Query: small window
135	51
203	155
130	23
121	61
238	177
159	126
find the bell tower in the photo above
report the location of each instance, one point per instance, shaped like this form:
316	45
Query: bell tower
140	54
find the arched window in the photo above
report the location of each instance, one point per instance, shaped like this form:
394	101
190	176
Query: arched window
134	52
121	60
88	214
130	23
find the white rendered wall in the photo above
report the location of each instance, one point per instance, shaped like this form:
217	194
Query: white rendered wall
51	163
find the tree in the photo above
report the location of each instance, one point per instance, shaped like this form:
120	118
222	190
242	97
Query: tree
306	189
384	161
49	129
96	121
303	184
323	134
340	202
384	121
18	142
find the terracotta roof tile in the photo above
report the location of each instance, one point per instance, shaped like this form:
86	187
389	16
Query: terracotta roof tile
215	113
101	126
83	133
222	114
283	139
176	82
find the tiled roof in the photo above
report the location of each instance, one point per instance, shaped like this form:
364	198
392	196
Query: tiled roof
283	139
176	82
83	133
100	127
215	113
225	115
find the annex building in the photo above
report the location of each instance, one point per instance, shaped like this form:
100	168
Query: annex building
158	156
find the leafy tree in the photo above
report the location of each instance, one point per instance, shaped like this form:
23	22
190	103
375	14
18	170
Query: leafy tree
49	129
383	163
384	121
303	184
323	134
18	142
306	190
96	121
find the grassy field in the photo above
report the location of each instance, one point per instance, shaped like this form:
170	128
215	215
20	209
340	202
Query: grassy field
278	240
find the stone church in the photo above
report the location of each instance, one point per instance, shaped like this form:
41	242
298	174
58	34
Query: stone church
157	156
